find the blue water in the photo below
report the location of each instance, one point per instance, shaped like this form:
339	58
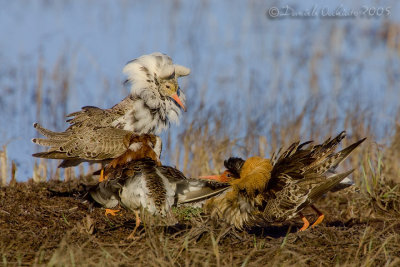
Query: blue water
236	54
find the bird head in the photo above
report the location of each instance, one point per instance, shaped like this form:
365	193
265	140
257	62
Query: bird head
225	177
156	77
251	175
233	167
169	88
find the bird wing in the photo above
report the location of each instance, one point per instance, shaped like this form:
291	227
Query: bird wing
92	117
90	144
199	195
299	176
130	169
172	174
295	197
106	193
306	160
196	190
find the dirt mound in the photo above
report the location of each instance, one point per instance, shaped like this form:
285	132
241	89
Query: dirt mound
50	223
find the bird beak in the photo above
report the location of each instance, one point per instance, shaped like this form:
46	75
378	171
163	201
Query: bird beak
218	178
177	100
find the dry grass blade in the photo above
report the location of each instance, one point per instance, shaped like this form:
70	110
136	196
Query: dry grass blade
4	165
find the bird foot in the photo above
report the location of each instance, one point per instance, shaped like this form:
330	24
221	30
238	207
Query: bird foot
111	212
306	223
319	220
132	235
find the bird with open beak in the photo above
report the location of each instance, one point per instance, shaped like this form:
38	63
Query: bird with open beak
155	100
264	191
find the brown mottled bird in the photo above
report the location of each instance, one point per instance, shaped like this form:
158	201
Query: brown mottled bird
102	146
265	191
145	185
155	100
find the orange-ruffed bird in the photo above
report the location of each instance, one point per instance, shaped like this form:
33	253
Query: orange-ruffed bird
266	191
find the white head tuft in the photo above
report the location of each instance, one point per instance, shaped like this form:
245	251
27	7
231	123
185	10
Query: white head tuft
145	71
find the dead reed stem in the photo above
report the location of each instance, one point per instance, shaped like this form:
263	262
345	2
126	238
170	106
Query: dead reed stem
40	171
3	165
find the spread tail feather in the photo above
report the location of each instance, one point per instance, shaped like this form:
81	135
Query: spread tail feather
47	142
200	195
46	132
323	188
330	183
67	161
50	155
331	162
344	153
70	162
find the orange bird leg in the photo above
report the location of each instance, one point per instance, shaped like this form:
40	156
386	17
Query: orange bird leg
111	212
321	216
132	235
306	223
101	178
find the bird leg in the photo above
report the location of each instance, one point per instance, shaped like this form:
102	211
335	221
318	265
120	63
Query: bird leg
132	235
321	216
101	178
306	223
111	212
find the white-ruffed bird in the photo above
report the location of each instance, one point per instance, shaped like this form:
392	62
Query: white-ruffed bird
146	185
94	134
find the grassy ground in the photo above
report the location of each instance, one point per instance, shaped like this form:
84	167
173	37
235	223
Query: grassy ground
39	226
47	223
361	228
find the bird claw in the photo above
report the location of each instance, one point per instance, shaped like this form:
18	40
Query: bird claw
111	212
132	237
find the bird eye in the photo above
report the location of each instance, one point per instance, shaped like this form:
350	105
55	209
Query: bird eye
168	86
228	175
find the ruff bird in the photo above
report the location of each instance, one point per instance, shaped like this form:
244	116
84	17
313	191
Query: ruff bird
264	191
102	145
144	185
155	100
